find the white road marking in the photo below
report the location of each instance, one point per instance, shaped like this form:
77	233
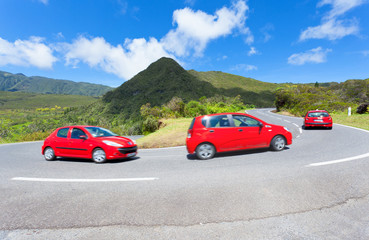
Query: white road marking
338	161
82	180
150	149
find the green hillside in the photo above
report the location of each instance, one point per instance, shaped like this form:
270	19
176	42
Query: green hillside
228	81
165	79
21	100
19	82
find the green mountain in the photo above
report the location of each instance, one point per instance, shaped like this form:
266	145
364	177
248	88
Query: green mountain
19	82
165	78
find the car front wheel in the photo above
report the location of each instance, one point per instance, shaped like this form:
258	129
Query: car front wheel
278	143
98	155
49	154
205	151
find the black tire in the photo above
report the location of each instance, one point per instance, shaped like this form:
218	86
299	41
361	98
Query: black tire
98	155
49	154
205	151
278	143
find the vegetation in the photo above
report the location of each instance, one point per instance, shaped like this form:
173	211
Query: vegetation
19	82
298	99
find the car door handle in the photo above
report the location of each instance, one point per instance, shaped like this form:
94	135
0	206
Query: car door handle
240	130
211	131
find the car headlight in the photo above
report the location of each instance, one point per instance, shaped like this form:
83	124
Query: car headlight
286	129
134	141
111	143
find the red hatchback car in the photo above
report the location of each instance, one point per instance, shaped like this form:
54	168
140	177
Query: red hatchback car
318	118
90	142
231	132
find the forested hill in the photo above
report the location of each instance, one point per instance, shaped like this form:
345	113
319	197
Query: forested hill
165	79
19	82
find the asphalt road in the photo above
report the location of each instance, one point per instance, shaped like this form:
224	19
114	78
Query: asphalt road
317	188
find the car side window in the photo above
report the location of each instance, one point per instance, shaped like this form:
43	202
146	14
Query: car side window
63	133
219	121
244	121
76	132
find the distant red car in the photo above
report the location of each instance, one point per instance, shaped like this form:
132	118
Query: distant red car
223	132
96	143
318	118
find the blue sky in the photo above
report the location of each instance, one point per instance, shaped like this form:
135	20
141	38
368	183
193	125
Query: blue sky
109	41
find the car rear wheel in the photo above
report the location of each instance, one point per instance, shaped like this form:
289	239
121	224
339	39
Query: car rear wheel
205	151
278	143
49	154
98	155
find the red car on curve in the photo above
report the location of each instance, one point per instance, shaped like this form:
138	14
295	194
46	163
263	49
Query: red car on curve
318	118
96	143
223	132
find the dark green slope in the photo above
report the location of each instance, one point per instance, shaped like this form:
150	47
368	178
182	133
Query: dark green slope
19	82
156	85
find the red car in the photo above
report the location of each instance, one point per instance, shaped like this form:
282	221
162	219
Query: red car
90	142
318	118
223	132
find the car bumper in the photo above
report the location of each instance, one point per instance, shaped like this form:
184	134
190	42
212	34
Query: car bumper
318	124
118	153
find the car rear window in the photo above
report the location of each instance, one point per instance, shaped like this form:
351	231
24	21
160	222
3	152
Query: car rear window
219	121
192	123
63	133
318	114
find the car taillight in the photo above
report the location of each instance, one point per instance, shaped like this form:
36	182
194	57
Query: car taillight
189	133
329	118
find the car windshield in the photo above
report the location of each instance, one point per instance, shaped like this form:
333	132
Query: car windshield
100	132
318	114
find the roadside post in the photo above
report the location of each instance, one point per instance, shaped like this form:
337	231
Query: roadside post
349	111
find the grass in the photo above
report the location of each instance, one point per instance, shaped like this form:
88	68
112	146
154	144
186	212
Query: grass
171	135
355	120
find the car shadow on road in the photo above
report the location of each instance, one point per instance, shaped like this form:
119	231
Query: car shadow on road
315	128
83	160
193	157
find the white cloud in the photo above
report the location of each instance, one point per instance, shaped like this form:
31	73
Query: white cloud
365	53
32	52
339	7
316	55
252	51
124	61
332	28
193	31
44	1
196	28
244	67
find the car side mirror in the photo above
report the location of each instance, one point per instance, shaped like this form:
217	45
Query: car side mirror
260	124
84	137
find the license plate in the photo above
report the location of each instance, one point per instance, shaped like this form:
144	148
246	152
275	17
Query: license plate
318	120
131	154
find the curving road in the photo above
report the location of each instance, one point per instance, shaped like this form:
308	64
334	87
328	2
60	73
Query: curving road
317	188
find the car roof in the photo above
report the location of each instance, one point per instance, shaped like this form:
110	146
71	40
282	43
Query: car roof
215	114
78	126
316	111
